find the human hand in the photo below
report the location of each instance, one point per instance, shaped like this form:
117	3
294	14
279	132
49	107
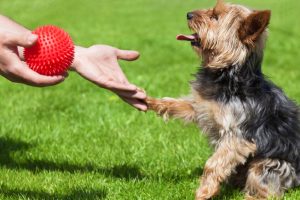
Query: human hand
11	65
99	64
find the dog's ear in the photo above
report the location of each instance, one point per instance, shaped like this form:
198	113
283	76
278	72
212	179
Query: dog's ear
253	26
219	8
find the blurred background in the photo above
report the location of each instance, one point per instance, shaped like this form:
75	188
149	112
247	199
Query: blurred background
78	141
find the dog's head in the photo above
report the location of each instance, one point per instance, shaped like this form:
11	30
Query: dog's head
227	34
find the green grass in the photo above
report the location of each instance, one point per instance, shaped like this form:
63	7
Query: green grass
76	141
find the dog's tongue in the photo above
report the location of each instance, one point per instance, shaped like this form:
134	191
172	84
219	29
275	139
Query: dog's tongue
186	37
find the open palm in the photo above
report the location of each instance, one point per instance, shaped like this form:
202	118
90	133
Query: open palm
99	64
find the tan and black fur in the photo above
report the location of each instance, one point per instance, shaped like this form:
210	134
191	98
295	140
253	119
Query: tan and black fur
252	125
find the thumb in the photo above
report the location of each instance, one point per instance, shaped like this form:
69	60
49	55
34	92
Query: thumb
127	55
17	39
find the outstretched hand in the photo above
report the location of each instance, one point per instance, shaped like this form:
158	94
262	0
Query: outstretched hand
11	65
99	64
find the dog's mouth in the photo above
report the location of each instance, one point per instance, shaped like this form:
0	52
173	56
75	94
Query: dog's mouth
193	38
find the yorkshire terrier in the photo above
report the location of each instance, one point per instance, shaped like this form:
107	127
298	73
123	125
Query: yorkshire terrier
252	125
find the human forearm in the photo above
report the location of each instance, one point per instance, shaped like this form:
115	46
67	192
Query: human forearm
77	57
10	25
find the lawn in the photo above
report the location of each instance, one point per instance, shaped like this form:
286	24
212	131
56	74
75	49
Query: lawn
78	141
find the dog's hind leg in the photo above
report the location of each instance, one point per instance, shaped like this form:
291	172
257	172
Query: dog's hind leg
176	108
269	179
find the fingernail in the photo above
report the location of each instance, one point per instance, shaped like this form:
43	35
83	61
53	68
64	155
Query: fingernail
143	96
61	78
143	108
32	38
133	87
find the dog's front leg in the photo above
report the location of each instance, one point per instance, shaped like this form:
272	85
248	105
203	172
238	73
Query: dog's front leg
230	153
176	108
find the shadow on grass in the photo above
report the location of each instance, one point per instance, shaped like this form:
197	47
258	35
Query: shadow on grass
228	192
8	146
80	194
126	172
177	177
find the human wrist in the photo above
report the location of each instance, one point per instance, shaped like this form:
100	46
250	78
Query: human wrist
77	58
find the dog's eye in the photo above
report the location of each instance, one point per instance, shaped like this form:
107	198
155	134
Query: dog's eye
214	17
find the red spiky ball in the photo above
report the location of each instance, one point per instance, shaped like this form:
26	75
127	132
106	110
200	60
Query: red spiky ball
52	54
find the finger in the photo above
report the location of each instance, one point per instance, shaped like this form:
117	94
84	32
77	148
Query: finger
118	72
35	79
103	80
129	94
135	103
116	86
11	78
127	55
30	77
17	39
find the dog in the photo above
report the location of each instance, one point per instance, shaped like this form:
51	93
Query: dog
252	125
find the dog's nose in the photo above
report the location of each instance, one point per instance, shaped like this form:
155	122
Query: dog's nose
189	15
